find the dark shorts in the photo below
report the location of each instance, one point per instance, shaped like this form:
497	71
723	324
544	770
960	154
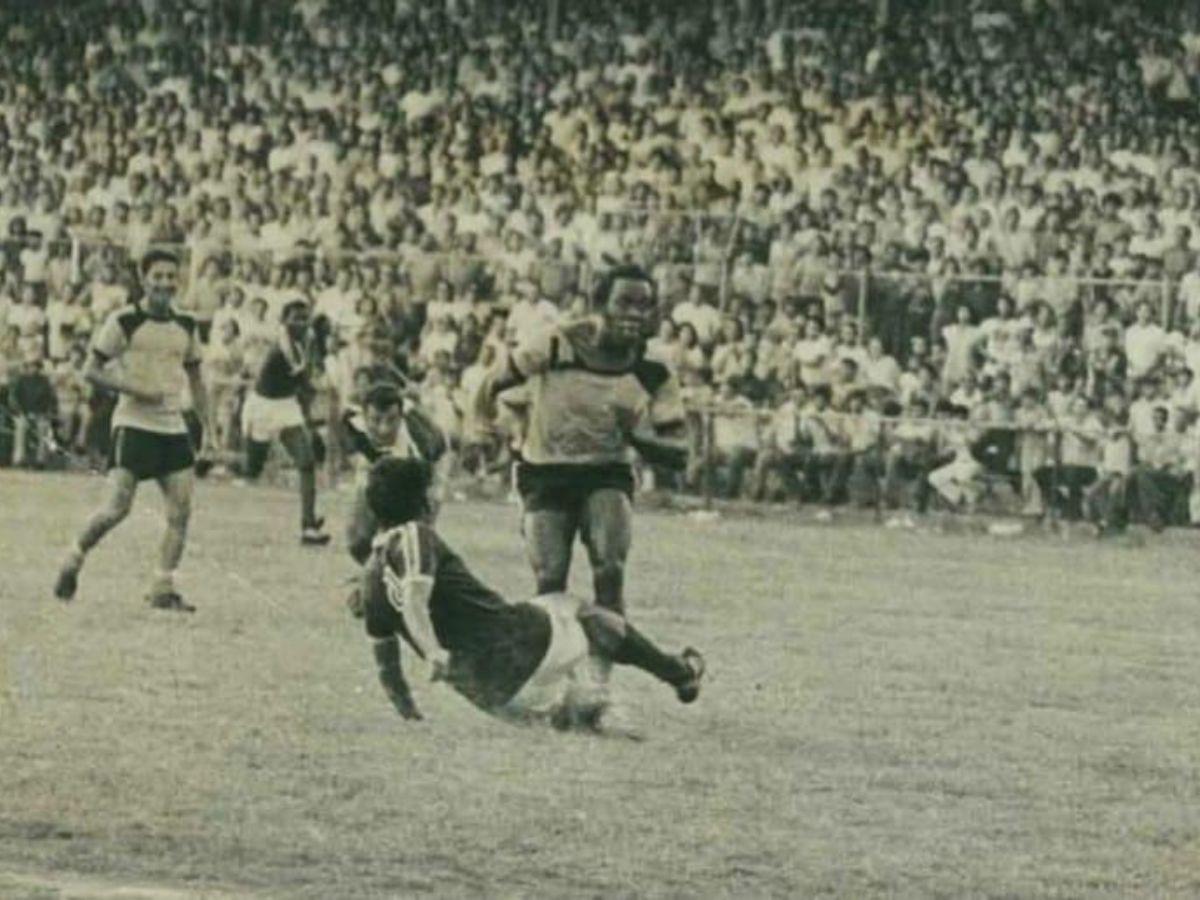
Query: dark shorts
149	454
566	487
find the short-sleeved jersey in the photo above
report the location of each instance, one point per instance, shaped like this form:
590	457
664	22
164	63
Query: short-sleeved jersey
494	646
284	372
154	354
584	404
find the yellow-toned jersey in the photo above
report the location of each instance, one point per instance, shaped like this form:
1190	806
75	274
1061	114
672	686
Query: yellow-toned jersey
583	401
154	354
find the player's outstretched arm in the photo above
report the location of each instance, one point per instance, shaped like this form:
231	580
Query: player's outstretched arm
391	676
660	446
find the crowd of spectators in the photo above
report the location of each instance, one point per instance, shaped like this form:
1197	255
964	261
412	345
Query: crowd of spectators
979	216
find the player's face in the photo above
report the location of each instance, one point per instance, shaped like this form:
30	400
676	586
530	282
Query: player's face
161	282
383	425
631	311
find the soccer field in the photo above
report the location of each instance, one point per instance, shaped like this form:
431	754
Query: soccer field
888	714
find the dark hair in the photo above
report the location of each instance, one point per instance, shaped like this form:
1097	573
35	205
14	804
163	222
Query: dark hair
289	306
157	256
382	396
397	490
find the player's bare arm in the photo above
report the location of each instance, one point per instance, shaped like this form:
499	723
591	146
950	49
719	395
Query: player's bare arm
391	677
200	404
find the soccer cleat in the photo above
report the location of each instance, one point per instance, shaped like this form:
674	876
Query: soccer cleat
171	601
314	537
688	691
68	579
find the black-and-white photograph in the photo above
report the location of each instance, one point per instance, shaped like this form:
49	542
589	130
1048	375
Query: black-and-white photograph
628	449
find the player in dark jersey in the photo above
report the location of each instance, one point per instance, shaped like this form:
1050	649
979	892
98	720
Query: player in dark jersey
149	356
389	424
594	399
277	409
519	661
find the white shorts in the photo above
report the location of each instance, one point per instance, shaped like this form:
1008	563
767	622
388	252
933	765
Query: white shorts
563	670
264	418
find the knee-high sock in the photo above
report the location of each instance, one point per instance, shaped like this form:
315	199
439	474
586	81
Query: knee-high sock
613	638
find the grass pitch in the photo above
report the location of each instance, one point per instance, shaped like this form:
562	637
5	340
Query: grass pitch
888	713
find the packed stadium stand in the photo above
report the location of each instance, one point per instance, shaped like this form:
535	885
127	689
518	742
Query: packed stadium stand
906	253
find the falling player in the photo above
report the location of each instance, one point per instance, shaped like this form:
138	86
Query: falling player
389	424
148	355
593	398
277	408
523	662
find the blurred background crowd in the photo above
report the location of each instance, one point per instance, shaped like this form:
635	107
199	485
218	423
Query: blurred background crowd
907	252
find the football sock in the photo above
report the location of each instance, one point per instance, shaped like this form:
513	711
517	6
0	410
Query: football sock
308	498
613	638
637	650
256	458
164	583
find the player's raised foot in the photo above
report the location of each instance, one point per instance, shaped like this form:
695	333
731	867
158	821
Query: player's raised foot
170	601
688	691
68	578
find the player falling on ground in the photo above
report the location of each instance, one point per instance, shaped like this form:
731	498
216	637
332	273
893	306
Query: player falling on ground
593	398
525	662
277	408
389	424
147	354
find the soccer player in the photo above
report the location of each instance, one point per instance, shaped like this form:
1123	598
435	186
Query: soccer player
524	662
147	354
388	425
594	397
277	408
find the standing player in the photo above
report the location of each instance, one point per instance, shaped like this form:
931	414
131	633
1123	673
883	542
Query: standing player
594	397
277	408
147	354
524	662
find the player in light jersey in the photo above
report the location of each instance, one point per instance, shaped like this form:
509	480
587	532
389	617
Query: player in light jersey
149	355
524	662
277	409
594	399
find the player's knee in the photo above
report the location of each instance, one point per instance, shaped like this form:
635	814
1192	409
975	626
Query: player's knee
118	507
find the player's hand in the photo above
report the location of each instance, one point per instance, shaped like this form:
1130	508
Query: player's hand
403	701
441	668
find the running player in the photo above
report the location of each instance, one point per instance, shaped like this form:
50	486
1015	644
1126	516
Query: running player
277	408
524	662
593	397
147	354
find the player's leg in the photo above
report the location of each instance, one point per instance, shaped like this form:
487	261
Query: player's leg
299	446
120	491
606	527
614	638
549	536
177	489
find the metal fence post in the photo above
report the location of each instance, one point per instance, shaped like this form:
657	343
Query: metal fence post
862	303
707	474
